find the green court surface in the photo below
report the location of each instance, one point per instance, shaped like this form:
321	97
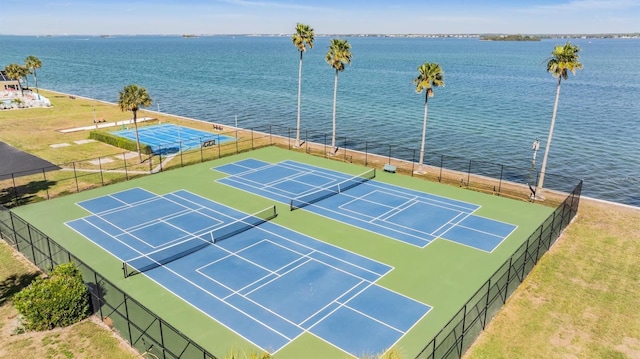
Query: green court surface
443	274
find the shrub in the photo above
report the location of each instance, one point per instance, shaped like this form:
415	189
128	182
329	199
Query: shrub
57	301
120	142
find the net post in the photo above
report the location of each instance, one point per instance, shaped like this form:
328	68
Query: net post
124	269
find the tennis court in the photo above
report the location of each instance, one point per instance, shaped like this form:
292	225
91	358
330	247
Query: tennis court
413	217
170	138
266	283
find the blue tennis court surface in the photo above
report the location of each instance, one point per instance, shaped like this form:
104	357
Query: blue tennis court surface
268	284
410	216
173	138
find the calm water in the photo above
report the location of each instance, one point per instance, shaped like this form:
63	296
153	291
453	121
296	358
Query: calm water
498	96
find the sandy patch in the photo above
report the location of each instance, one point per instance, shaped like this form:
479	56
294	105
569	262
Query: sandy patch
58	145
101	161
82	142
127	155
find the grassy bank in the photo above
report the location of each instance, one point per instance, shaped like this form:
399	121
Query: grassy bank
580	302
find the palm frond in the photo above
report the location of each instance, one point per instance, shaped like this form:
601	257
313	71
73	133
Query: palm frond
339	54
429	75
564	59
304	36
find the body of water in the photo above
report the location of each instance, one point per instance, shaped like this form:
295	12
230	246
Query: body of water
497	100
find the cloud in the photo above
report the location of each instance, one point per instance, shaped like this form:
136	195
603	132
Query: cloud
270	4
587	5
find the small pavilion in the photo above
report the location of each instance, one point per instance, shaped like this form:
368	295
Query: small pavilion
8	83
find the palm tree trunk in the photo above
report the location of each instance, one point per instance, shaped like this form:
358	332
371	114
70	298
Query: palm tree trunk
299	100
135	124
35	79
335	97
546	150
424	131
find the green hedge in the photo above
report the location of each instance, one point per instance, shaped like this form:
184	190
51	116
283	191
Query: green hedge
60	300
120	142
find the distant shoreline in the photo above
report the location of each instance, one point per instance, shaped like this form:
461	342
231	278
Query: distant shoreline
635	35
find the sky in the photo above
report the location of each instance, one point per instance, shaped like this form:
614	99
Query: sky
117	17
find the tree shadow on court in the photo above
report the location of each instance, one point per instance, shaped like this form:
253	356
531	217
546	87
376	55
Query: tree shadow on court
23	194
97	294
14	284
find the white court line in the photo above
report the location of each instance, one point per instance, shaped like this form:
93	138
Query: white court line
395	210
249	169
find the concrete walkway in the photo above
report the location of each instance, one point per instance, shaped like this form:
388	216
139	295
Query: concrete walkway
106	125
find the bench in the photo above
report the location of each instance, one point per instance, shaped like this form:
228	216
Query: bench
389	168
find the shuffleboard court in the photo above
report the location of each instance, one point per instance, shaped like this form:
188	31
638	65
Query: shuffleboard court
410	216
265	282
170	138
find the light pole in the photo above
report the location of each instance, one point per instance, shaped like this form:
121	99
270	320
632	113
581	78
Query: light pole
95	120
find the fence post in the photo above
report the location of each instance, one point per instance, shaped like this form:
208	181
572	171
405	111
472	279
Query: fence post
75	175
33	251
345	149
44	176
506	288
15	234
161	336
49	251
99	294
500	182
524	263
464	324
469	174
486	304
15	189
325	145
366	153
389	157
100	167
180	149
124	158
126	312
441	164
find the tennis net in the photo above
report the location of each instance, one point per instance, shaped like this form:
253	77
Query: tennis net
326	192
178	250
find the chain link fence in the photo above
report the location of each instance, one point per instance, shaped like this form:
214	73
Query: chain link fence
142	328
136	324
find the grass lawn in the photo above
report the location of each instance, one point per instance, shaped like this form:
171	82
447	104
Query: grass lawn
581	300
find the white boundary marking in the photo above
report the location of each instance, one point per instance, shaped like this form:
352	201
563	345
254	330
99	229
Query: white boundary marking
274	273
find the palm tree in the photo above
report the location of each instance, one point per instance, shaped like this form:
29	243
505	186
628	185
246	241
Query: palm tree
430	76
339	54
131	98
32	63
564	58
303	37
16	72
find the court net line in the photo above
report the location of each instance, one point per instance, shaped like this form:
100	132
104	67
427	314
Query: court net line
181	249
328	191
